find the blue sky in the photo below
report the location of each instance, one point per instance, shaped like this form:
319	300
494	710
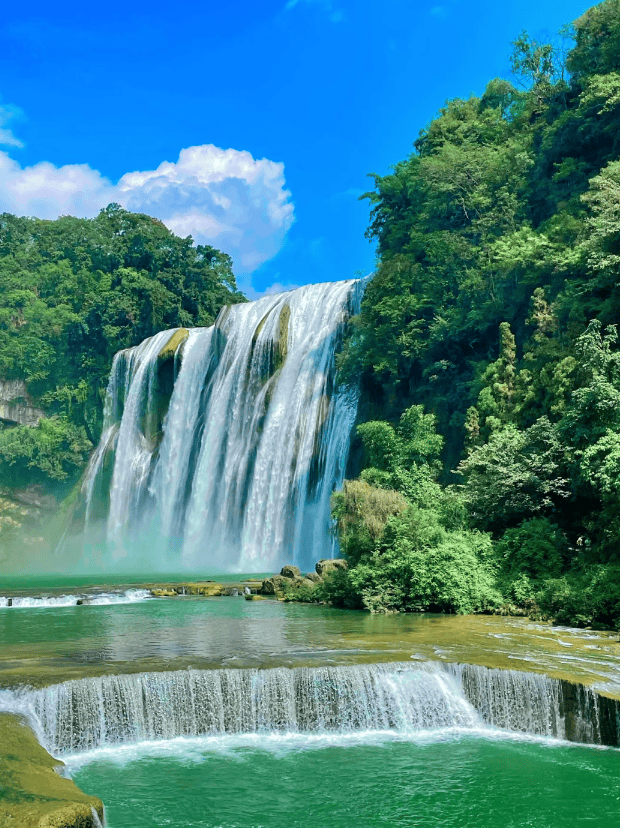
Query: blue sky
250	125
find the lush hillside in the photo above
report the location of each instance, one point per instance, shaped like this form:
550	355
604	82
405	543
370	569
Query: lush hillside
72	293
493	310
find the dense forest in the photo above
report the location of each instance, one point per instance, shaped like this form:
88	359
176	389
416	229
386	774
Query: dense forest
73	292
487	346
488	444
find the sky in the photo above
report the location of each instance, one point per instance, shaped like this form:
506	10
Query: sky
250	125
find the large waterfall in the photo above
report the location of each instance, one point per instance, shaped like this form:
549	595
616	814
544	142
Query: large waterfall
221	446
401	699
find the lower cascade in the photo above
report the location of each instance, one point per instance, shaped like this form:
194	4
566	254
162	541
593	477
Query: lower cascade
79	716
221	446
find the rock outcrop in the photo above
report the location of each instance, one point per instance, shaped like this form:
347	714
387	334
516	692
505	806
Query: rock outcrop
16	406
290	577
326	565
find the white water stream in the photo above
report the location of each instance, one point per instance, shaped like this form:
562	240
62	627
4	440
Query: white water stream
254	441
393	700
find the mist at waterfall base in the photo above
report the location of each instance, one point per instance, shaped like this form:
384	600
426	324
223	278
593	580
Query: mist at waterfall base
230	468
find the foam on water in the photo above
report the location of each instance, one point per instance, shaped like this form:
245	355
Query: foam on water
197	748
128	596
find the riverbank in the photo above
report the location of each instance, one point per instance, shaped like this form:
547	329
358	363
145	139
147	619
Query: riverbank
33	793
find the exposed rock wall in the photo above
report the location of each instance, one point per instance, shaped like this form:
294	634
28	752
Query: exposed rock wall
15	404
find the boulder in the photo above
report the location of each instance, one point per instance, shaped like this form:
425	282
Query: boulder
314	577
274	585
326	565
289	571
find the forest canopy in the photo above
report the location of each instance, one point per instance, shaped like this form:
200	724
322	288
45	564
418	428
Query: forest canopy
73	292
493	310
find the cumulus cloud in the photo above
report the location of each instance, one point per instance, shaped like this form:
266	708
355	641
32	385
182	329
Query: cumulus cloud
225	198
221	197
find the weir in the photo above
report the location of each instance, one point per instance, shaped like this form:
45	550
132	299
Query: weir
400	698
221	446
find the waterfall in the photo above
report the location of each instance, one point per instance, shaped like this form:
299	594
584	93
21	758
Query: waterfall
221	446
82	715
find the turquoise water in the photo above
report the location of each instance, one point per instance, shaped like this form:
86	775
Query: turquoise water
447	782
53	644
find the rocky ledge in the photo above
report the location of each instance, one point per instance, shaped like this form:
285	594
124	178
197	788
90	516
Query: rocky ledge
33	794
291	577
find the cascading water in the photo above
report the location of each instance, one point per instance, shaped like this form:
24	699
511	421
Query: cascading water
221	446
402	699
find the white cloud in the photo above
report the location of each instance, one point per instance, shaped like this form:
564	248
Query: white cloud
222	197
46	191
7	113
225	198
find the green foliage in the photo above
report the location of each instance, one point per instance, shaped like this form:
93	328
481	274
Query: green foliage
75	291
494	306
515	474
56	450
420	566
405	536
590	598
414	442
536	549
362	512
338	590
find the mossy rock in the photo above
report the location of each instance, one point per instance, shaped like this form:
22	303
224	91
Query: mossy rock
210	589
326	565
164	593
33	794
279	344
174	344
274	585
289	571
153	417
282	342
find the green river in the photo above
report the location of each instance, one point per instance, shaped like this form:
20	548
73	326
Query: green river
436	777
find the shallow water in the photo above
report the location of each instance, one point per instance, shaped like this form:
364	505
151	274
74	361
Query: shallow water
440	780
48	645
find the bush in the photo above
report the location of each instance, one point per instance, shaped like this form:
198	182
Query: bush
56	449
362	512
420	566
536	548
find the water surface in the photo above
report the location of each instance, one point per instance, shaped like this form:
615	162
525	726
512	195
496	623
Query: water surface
440	781
49	645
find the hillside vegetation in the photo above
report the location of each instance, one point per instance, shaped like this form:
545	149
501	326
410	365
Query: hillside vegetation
72	293
487	346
